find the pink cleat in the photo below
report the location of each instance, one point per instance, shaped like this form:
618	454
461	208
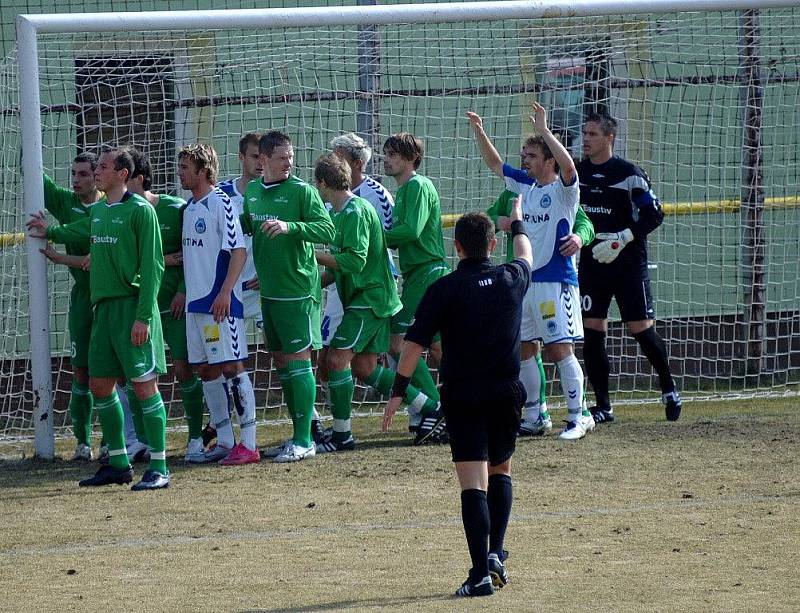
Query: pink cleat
240	455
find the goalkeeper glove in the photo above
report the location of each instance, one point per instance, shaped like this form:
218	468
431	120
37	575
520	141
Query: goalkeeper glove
611	243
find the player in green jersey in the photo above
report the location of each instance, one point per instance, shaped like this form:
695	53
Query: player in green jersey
171	304
127	265
68	205
417	233
359	265
286	217
536	418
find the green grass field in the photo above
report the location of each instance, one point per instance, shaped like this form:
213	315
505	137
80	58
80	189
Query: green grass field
642	515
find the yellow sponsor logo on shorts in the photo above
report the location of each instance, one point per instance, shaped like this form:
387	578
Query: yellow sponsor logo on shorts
211	333
547	309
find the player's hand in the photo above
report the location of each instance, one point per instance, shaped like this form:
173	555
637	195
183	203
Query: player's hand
539	118
174	259
475	120
139	333
503	223
37	225
51	254
610	245
570	245
87	263
252	284
221	307
274	227
516	210
389	411
178	305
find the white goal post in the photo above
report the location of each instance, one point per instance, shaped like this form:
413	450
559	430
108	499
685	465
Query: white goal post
32	28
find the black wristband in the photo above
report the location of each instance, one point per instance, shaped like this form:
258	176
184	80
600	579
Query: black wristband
400	385
517	228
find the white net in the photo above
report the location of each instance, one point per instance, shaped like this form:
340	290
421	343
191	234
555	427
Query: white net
692	92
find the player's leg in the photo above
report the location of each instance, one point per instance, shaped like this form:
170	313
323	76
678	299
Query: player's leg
596	293
636	309
533	422
244	403
340	386
331	318
81	401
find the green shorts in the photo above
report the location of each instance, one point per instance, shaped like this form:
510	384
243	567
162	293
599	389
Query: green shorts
174	331
291	326
415	283
80	325
111	353
361	331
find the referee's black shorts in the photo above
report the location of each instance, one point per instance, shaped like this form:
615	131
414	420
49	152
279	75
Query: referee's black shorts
483	419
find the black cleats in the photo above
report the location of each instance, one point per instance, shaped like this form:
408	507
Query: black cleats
108	475
602	415
432	428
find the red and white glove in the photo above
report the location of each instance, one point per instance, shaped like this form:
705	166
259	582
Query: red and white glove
611	243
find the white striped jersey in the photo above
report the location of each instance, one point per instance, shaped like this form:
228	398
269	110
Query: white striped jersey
229	187
378	196
211	230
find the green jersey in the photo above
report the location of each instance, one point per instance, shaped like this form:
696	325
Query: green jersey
502	208
66	207
286	266
168	211
417	224
363	279
126	251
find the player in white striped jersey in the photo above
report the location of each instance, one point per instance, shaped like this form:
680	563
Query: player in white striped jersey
551	306
235	188
213	257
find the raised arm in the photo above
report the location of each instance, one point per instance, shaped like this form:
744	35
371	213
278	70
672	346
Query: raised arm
522	244
489	154
561	155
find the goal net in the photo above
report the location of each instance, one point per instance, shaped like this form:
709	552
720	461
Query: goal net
708	104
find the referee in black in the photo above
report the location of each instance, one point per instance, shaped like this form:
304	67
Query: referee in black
477	309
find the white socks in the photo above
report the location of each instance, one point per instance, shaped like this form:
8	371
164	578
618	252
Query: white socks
244	401
532	382
216	395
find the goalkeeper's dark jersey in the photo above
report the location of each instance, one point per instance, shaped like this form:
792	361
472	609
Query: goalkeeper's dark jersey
617	195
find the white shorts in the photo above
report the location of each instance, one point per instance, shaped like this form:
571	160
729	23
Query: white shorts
551	313
332	315
251	298
214	343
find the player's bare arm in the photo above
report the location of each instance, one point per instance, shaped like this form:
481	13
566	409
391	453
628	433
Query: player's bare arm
326	259
221	307
570	245
173	259
489	154
522	244
178	305
140	332
561	155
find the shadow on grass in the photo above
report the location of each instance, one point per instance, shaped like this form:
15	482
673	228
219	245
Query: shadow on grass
358	604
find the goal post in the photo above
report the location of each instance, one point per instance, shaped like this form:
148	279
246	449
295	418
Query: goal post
419	67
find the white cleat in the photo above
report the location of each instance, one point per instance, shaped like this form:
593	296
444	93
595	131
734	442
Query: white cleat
215	453
195	453
577	429
540	427
274	452
83	453
295	453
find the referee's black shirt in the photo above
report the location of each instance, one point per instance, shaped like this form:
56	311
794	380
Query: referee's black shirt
478	310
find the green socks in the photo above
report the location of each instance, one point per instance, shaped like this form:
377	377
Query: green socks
303	395
542	386
136	414
80	410
288	398
112	421
382	379
155	424
341	386
192	396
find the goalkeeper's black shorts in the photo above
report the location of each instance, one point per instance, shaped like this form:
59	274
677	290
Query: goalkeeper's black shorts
628	283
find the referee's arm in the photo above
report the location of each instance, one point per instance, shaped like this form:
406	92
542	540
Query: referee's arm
522	246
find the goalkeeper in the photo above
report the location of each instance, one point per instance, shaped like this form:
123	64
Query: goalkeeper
618	198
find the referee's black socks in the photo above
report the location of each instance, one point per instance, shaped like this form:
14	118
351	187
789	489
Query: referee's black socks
654	347
595	358
475	515
499	497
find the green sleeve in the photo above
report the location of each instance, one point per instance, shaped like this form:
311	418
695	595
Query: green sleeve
181	285
355	240
57	200
316	226
244	220
411	218
501	206
72	232
583	226
151	262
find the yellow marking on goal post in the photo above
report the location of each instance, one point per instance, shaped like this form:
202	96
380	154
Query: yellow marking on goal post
730	205
11	239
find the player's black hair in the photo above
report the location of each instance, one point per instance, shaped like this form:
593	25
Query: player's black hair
333	170
474	232
407	146
87	157
608	125
141	166
271	141
251	138
123	160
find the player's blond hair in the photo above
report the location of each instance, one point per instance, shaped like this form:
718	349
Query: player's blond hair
333	170
203	157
